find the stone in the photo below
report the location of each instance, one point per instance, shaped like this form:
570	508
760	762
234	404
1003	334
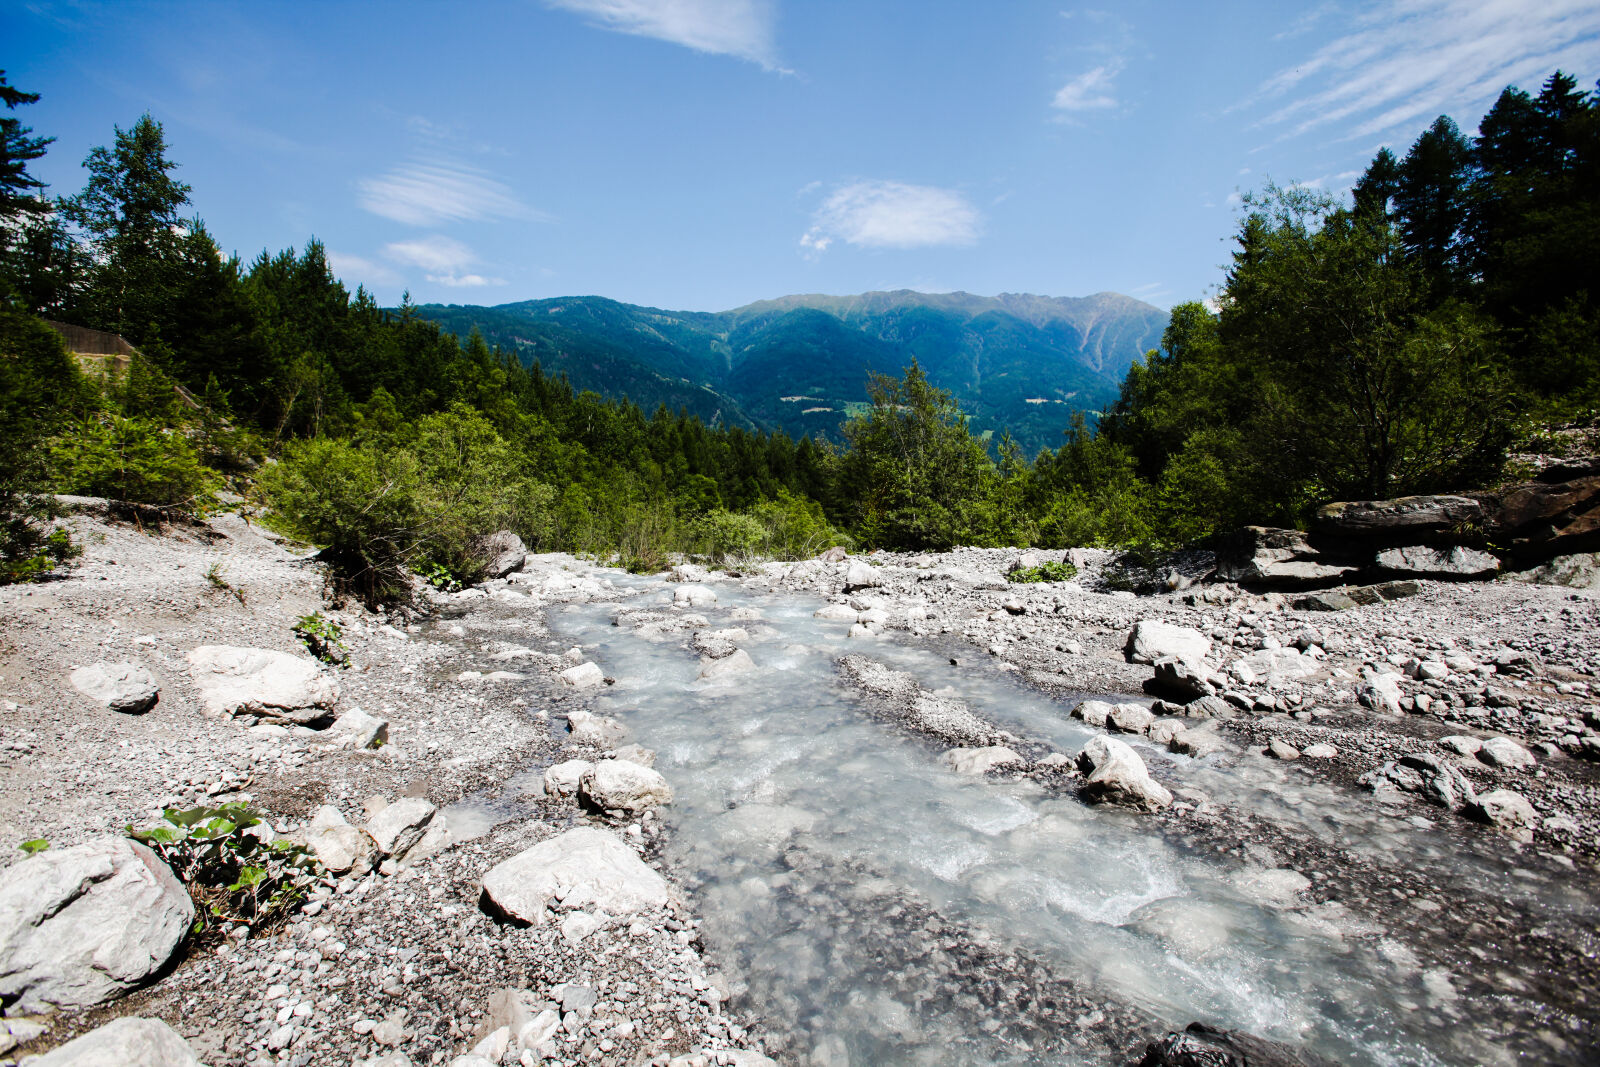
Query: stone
337	845
1116	774
1196	744
358	730
1462	744
736	663
1320	750
1151	640
561	779
1403	516
400	825
81	925
1208	707
262	683
124	687
644	757
688	572
836	554
1162	731
1506	754
1129	718
1380	691
615	879
503	553
1200	1045
1507	811
1430	562
695	596
126	1042
1259	555
1093	712
977	761
618	785
1282	750
861	576
1182	680
1577	571
836	613
591	729
1274	666
583	676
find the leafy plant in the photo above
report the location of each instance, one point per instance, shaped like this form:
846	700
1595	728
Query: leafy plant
37	845
1048	571
439	576
27	553
234	875
321	636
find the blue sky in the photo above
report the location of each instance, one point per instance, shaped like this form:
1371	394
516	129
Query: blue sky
701	154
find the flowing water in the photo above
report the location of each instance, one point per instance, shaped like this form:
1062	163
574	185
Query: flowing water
885	910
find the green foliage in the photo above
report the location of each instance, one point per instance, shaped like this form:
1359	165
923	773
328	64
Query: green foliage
234	874
721	534
34	846
1048	571
132	459
321	636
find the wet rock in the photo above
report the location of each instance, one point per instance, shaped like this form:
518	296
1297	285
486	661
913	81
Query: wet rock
263	683
583	676
1505	753
1430	777
1206	1046
980	760
124	687
561	779
1162	731
1429	562
1129	718
1208	707
737	662
503	552
1196	743
591	729
1507	811
618	785
1151	640
400	825
695	596
337	845
1115	774
1320	750
125	1042
82	925
616	880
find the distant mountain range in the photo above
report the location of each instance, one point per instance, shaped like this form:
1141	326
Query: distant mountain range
800	363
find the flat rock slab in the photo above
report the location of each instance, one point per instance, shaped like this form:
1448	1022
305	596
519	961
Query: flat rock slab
125	1042
85	924
400	825
616	879
124	687
262	683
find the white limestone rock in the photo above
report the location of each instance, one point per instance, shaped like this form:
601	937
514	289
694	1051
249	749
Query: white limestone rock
977	761
1151	640
124	687
262	683
400	825
584	676
126	1042
612	875
1116	774
619	785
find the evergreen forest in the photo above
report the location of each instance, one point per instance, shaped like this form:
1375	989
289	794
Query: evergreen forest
1398	341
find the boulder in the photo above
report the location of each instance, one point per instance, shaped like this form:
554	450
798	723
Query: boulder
1544	518
1429	562
126	1042
618	785
1505	753
1093	712
610	873
1162	731
400	825
695	596
1578	571
1428	776
262	683
1129	718
561	779
1115	774
1280	749
861	576
1259	555
980	760
82	925
1380	691
1183	681
356	729
1462	744
591	729
337	845
1151	640
1200	1045
1507	811
688	572
1396	519
736	662
584	676
836	554
502	552
836	613
1274	666
1320	750
124	687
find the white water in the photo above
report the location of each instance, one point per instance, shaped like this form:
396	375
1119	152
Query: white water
798	815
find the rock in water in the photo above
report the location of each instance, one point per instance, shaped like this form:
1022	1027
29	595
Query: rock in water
1205	1046
561	779
1117	775
619	881
260	682
87	923
1507	811
124	687
980	760
125	1042
617	785
737	662
1151	639
584	676
503	554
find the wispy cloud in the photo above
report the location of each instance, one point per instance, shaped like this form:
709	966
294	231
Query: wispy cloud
444	260
885	214
1089	91
432	193
358	270
740	28
1401	63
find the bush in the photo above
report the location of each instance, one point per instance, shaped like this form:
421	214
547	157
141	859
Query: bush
720	534
132	459
1048	571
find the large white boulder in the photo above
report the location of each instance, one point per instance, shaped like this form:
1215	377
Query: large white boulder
615	879
503	553
591	729
584	676
126	1042
1152	639
84	924
261	682
695	596
561	779
861	575
400	825
337	845
620	785
359	730
124	687
1274	666
1117	775
1505	753
737	663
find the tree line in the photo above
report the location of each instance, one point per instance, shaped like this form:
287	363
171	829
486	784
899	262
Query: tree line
1397	343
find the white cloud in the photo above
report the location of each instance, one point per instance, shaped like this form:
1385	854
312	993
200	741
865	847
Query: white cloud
429	193
885	214
435	253
358	270
739	28
1089	91
464	281
1401	63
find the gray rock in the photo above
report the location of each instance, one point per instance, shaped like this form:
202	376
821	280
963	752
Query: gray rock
1117	775
264	683
1506	754
1320	750
561	779
337	845
644	757
1429	562
695	596
1282	750
591	729
737	662
861	576
1093	712
503	553
1507	811
1580	571
615	878
1208	707
400	825
688	572
1129	718
618	785
126	1042
1184	681
1462	744
584	676
836	612
1274	666
82	925
1162	731
1151	640
356	729
1412	514
977	761
124	687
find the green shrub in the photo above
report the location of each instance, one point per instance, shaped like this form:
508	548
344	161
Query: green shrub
321	636
132	459
720	534
1048	571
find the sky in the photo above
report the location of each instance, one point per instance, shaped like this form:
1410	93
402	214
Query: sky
703	154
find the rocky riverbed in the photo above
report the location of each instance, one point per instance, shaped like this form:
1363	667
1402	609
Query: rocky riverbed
1401	792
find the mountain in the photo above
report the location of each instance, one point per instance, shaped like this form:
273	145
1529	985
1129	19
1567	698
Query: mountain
800	363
